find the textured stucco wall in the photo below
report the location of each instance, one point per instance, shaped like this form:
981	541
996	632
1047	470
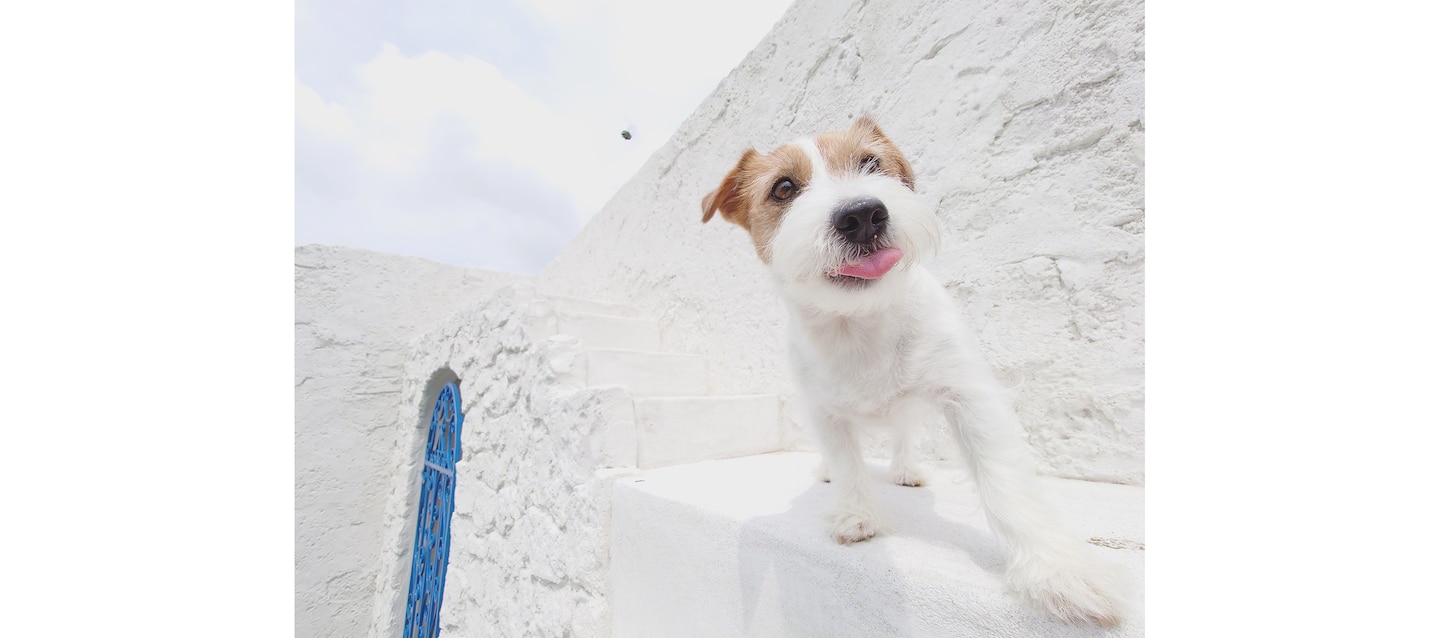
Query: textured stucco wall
529	533
356	315
1024	122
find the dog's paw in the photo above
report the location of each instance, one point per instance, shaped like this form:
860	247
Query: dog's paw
850	526
910	476
1076	588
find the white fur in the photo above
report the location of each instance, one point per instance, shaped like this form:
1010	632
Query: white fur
894	354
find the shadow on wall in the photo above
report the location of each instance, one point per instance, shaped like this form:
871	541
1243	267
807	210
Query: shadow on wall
418	437
437	381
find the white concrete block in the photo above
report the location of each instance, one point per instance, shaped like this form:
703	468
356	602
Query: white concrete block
618	442
608	331
648	373
576	304
684	429
738	547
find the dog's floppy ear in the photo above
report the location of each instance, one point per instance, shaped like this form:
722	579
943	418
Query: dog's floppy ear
728	199
865	125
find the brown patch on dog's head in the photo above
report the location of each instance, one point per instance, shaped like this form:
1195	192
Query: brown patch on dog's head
752	197
748	196
850	149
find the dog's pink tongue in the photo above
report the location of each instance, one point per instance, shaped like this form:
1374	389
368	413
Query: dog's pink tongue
874	265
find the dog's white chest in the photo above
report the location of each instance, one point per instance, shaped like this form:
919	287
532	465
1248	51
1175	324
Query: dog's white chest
855	368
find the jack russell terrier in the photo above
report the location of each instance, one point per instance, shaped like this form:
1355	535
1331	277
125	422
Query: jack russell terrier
875	339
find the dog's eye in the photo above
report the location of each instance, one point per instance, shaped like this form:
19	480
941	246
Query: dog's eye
783	190
869	164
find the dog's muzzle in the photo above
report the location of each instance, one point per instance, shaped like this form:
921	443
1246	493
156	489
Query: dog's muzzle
860	221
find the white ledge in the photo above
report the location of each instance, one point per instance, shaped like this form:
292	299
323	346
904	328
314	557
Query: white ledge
738	547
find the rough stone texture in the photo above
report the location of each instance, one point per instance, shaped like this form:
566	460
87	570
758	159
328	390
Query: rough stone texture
529	533
1024	121
356	314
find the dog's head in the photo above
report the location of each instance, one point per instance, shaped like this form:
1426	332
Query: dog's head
835	217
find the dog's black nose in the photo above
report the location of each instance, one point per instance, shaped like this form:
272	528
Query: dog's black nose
860	220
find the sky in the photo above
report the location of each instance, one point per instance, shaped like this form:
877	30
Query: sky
487	133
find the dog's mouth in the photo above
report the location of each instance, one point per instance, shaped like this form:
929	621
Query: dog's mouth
869	265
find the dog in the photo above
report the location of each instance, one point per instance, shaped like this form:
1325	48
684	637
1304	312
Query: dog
874	339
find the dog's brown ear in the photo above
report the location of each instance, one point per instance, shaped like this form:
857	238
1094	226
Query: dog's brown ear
907	174
865	125
728	199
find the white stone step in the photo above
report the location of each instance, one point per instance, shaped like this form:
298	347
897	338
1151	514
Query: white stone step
684	429
576	304
738	547
647	374
609	331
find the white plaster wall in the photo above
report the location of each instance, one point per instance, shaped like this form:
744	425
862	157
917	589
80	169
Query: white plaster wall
356	315
1024	121
529	535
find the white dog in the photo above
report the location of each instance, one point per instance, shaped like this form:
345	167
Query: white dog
875	339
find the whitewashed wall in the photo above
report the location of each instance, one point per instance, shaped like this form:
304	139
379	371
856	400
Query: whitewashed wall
1024	121
357	314
529	540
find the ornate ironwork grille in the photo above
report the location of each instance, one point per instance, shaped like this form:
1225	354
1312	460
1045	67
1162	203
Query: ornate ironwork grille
432	529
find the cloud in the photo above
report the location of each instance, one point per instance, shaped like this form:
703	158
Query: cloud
492	151
439	154
449	206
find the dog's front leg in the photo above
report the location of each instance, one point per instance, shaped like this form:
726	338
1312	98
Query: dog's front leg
852	518
1045	565
905	419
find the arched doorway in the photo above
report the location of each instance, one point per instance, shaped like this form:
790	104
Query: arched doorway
432	528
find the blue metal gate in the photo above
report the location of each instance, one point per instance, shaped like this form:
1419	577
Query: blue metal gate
432	529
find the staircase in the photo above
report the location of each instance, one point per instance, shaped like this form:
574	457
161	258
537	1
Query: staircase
676	419
718	532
